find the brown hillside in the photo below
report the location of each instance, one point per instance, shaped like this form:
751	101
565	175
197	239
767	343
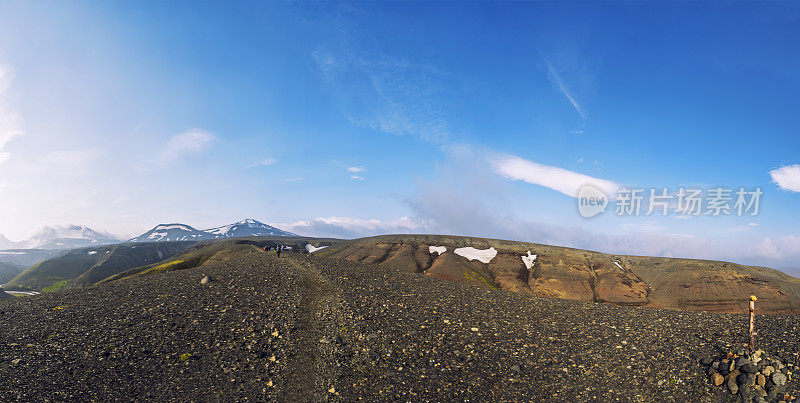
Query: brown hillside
687	284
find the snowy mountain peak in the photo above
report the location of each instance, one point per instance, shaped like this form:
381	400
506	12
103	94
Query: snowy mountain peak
182	232
171	232
67	236
247	227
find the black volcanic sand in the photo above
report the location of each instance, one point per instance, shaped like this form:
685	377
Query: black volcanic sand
305	328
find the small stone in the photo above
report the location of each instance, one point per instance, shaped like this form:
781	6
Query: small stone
779	379
761	380
325	340
741	352
749	368
332	390
270	383
275	334
760	392
17	361
706	360
768	370
474	329
372	336
272	359
732	387
660	382
741	379
717	379
715	365
515	368
205	280
732	376
742	361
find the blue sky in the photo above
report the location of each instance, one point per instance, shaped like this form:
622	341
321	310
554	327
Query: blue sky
353	119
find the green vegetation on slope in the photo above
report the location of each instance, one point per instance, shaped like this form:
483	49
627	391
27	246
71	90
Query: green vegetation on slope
89	265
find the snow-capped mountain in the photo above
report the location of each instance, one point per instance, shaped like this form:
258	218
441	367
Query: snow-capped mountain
5	243
248	227
183	232
60	237
172	232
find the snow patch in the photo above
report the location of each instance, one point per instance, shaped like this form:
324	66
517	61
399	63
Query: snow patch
160	254
311	248
91	252
437	249
485	255
617	263
528	260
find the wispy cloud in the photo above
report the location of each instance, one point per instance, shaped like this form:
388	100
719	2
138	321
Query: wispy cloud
559	82
787	178
355	171
10	120
263	163
189	142
559	179
388	94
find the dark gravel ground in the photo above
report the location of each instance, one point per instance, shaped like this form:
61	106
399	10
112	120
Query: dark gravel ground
304	328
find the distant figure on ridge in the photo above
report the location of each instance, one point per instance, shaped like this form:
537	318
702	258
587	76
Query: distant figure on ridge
278	250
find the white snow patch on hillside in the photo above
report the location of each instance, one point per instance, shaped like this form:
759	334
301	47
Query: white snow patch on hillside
311	248
157	235
91	252
437	249
485	255
617	263
528	260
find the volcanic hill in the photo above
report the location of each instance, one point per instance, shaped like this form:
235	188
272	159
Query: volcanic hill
304	327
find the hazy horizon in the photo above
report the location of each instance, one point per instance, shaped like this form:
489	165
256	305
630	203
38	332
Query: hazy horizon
350	120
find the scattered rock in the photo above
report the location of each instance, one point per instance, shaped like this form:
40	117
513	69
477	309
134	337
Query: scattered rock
717	379
206	280
779	379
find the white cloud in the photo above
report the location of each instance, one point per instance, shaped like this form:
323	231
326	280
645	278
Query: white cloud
356	169
787	178
356	177
559	179
264	162
189	142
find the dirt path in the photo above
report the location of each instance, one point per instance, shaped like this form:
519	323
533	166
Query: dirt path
308	377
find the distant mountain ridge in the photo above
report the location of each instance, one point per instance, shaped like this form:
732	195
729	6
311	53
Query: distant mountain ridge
60	237
182	232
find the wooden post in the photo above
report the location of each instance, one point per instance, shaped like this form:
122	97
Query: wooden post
753	300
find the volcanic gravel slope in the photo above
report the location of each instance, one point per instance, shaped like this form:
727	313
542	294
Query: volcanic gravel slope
307	328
